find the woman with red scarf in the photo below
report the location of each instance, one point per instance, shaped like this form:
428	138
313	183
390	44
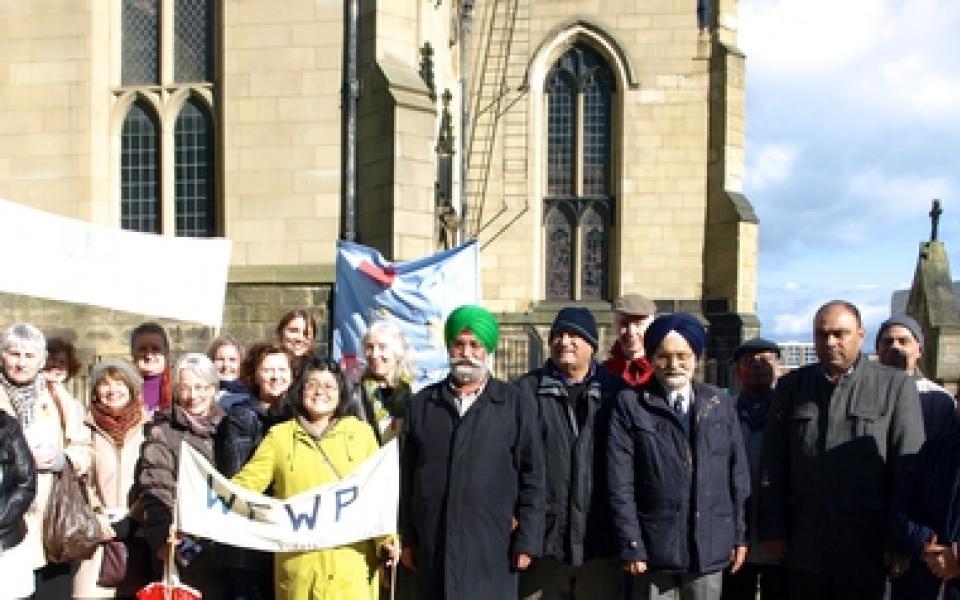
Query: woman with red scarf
116	421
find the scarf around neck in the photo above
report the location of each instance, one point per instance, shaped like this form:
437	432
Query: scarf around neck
23	397
753	410
116	422
635	372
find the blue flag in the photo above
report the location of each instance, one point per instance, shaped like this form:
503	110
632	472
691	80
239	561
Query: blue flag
417	295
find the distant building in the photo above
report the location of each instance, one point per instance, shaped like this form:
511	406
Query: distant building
796	354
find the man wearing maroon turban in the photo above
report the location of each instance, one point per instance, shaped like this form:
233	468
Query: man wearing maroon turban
471	474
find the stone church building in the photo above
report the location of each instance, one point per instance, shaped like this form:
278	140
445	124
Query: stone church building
592	148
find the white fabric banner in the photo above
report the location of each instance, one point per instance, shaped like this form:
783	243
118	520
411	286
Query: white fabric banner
360	506
75	261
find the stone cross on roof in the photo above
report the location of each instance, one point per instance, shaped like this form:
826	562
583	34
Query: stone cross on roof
935	213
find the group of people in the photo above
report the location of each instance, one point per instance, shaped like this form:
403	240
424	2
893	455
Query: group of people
613	479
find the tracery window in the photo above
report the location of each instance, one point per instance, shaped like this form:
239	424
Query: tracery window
578	208
139	199
168	56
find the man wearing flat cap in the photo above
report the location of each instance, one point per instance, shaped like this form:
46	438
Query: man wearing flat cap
632	314
677	472
574	396
757	364
900	345
838	437
471	473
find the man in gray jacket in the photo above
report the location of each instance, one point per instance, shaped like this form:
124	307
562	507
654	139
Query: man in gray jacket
834	447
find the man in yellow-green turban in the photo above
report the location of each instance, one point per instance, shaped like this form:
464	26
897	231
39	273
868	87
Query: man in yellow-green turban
471	469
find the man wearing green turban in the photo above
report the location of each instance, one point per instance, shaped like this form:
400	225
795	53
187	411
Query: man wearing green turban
471	473
478	320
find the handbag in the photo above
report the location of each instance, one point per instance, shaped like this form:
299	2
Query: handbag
71	530
126	563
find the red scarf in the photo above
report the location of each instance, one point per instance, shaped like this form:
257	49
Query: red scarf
635	372
116	422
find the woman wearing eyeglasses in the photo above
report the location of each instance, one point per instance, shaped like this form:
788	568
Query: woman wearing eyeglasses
267	372
193	418
321	445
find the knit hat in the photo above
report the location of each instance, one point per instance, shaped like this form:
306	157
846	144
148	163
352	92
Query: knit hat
129	372
478	320
579	321
903	321
683	323
754	346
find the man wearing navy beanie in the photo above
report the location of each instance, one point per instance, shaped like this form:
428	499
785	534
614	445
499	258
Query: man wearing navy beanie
574	396
677	472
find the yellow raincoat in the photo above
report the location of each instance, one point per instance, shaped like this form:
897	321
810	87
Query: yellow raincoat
290	459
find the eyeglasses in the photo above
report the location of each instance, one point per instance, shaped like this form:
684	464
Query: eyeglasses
666	358
312	386
196	389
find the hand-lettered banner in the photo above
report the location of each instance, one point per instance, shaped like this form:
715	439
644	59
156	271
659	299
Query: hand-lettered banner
360	506
74	261
417	295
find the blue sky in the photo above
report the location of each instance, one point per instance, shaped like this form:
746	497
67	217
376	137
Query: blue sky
853	128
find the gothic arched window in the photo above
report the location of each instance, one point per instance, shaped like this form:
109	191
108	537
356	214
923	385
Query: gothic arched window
168	171
578	207
193	142
139	161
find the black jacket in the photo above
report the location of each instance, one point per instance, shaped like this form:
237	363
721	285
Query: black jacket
677	505
578	525
18	481
831	459
238	435
462	482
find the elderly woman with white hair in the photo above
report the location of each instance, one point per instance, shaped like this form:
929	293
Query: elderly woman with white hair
193	418
385	383
52	422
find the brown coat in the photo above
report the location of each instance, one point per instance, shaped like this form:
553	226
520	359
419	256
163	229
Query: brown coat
72	438
156	480
111	480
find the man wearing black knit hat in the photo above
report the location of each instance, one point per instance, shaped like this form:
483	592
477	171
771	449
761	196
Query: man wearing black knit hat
573	395
677	472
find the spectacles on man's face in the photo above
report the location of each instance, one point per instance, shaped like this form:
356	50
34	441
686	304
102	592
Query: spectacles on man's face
666	358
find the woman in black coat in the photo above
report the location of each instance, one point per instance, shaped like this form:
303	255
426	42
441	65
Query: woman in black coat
18	486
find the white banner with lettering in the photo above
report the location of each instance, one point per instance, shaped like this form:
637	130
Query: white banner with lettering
360	506
50	256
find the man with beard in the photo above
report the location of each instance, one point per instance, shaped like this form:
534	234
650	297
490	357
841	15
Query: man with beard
471	473
900	345
678	472
833	451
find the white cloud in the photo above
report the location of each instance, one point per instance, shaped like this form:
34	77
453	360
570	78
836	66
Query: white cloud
811	35
928	92
771	164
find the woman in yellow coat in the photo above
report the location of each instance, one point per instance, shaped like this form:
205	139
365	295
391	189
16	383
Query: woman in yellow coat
320	445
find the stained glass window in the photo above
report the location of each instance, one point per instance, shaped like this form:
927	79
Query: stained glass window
140	36
193	44
593	255
193	139
580	90
559	232
139	192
